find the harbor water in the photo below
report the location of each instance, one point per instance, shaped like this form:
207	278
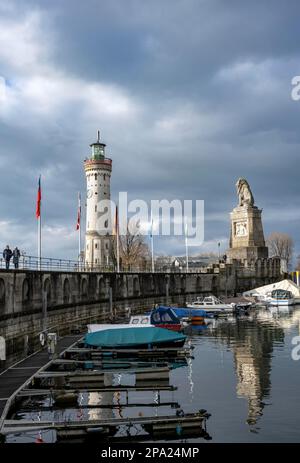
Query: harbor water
242	373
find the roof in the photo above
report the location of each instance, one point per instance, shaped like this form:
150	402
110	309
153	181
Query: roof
287	285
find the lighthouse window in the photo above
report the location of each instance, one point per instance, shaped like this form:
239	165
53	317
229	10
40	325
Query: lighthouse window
104	176
96	261
96	176
106	223
96	246
96	208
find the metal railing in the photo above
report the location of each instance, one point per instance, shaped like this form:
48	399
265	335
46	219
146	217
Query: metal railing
51	264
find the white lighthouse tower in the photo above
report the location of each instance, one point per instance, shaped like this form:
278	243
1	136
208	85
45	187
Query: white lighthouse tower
98	235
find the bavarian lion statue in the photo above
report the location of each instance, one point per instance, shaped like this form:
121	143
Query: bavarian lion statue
244	193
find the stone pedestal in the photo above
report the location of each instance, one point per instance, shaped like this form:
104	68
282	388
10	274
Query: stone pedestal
247	240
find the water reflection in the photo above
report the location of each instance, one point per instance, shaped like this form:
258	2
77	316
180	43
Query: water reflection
252	340
247	358
103	399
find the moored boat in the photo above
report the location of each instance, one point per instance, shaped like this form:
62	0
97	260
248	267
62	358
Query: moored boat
134	338
211	304
262	294
280	297
160	317
188	312
165	317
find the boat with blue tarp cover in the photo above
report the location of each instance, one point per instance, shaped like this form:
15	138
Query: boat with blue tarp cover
184	312
137	338
165	317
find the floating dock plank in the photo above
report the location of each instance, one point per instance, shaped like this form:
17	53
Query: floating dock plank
100	373
30	408
83	350
108	362
190	420
47	391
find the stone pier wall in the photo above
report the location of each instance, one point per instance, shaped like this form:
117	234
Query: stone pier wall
75	299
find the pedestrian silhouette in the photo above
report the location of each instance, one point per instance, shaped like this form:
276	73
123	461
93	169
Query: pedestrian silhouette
16	256
7	254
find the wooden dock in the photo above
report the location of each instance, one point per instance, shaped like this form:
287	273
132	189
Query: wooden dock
15	376
78	370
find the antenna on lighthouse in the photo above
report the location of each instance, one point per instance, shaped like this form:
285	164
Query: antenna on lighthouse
98	136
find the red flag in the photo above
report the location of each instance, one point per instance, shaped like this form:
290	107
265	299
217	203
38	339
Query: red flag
78	213
38	201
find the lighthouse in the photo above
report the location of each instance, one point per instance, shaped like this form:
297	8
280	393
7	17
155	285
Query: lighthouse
98	231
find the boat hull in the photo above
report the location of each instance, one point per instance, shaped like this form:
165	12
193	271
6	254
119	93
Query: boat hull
281	303
134	338
183	312
211	309
170	326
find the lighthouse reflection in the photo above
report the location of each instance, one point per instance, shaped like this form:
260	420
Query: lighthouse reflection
101	402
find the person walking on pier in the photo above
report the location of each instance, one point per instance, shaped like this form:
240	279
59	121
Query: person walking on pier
7	254
16	256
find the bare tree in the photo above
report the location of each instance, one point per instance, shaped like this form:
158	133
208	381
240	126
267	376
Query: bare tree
281	245
134	251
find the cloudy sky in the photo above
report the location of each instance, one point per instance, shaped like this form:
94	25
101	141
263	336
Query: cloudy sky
189	95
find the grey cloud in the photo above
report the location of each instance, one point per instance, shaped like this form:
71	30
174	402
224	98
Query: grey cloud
210	82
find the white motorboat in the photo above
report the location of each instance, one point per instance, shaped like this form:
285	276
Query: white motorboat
280	298
160	317
262	295
211	304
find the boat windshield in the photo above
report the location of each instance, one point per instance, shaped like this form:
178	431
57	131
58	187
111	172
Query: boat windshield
212	300
281	294
139	320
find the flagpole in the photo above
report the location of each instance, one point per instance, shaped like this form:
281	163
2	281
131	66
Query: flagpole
118	245
39	243
186	248
40	233
152	245
79	230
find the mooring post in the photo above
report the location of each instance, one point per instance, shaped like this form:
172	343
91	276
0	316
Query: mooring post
44	303
167	292
110	301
